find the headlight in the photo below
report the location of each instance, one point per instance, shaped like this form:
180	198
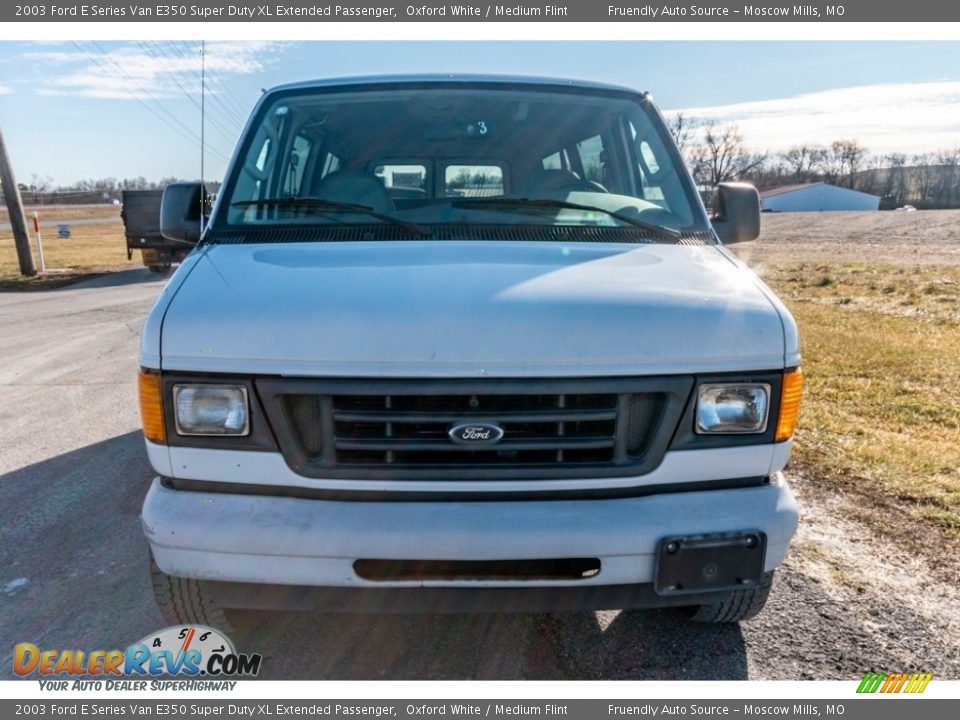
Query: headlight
732	407
211	409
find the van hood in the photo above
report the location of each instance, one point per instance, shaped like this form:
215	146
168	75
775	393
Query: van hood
469	309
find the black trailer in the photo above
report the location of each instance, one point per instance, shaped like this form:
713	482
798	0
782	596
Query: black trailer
141	222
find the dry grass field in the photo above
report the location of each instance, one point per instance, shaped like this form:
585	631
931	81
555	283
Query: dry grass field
877	298
96	245
57	213
931	237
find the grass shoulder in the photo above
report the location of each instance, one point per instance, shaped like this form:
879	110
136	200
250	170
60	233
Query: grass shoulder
881	347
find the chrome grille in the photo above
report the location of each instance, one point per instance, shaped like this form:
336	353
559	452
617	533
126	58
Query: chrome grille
413	430
404	429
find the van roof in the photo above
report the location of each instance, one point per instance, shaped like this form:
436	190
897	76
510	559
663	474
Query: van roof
440	78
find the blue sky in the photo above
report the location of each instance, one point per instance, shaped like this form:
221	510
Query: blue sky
125	109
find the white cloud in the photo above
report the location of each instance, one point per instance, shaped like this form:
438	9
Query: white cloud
910	118
4	90
144	70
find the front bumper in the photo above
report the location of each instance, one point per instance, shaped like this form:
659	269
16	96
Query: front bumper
263	540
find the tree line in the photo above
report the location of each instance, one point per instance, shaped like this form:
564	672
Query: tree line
718	153
41	190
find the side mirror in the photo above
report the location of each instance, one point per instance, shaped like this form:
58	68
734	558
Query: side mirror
180	212
736	212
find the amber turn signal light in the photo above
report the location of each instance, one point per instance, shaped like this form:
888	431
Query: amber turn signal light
789	404
151	407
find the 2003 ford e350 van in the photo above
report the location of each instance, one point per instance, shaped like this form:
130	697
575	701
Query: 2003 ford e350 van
465	344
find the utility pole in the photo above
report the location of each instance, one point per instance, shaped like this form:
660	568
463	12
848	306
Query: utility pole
11	195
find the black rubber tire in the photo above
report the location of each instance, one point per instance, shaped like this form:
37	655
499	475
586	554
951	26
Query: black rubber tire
183	601
160	269
738	605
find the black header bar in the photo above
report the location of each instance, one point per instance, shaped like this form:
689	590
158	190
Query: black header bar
179	702
432	11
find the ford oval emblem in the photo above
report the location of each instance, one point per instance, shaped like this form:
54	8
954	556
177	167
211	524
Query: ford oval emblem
475	433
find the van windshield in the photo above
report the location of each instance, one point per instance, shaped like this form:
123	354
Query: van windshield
421	157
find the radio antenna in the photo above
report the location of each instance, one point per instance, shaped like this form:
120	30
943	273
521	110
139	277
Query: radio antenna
203	124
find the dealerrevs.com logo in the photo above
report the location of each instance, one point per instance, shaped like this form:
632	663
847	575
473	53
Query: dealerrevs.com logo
183	651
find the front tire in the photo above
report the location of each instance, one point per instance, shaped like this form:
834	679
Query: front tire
183	601
738	605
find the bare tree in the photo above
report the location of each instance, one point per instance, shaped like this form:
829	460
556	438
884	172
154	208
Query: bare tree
895	183
773	173
723	156
925	178
948	183
681	128
844	159
803	161
871	179
96	184
137	183
40	184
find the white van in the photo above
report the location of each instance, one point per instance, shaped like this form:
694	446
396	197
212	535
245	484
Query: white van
465	344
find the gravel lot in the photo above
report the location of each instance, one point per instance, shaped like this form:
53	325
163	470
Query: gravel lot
73	562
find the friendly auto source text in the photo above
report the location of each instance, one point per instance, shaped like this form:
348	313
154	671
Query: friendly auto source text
705	11
700	709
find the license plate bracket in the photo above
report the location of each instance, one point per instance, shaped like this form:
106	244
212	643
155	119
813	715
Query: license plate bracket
707	563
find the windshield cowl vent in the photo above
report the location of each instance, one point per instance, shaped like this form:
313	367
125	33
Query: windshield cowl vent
493	233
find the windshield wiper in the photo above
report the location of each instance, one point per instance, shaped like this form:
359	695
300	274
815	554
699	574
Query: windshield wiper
551	204
322	205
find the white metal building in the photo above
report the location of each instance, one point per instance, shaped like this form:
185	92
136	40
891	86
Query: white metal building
814	197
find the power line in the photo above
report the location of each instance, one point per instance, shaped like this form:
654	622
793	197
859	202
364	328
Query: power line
226	113
97	63
141	88
216	99
160	110
229	114
239	111
228	134
224	96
